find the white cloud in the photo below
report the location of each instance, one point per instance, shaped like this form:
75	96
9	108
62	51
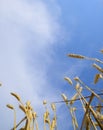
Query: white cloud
28	30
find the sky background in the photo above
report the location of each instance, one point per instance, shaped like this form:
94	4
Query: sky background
35	38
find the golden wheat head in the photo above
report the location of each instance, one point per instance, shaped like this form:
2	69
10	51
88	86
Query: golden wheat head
68	80
64	98
16	96
76	56
10	106
53	106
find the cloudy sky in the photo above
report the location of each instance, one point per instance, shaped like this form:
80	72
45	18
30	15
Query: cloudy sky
35	38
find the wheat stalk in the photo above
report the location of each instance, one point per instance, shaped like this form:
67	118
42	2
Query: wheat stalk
11	107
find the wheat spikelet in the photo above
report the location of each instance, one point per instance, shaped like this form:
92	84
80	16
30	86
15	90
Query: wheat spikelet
96	124
74	108
97	60
16	96
84	57
53	123
28	103
46	117
101	50
69	80
80	89
46	114
99	107
53	106
99	115
74	98
34	115
47	121
44	102
23	128
22	108
77	86
76	56
10	106
97	76
64	98
0	84
98	67
76	78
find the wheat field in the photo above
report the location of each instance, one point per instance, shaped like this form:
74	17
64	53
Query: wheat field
92	112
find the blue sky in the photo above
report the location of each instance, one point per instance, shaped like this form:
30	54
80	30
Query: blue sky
35	38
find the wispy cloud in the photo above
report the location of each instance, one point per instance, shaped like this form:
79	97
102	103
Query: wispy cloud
28	30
